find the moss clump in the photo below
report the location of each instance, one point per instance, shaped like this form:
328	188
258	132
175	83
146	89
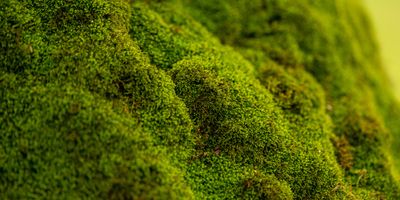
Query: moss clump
266	187
168	100
57	155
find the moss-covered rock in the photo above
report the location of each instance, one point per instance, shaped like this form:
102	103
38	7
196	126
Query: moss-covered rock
194	100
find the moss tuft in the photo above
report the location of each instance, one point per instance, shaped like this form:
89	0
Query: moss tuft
266	187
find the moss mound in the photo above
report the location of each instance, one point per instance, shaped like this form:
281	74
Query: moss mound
194	100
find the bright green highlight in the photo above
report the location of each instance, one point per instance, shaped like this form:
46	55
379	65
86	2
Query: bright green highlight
385	15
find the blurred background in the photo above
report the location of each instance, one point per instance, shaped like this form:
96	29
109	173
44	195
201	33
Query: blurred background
385	15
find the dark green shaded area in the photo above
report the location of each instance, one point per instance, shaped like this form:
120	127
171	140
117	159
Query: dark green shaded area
194	100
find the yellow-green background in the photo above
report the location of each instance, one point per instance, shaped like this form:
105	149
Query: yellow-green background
386	18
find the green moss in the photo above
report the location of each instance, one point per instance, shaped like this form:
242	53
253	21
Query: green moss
305	34
266	187
70	144
238	117
193	99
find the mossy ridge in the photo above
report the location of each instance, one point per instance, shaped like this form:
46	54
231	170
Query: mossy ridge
303	102
237	181
208	81
102	58
333	41
83	49
59	53
78	146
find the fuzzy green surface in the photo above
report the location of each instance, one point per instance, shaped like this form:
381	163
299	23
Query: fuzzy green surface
194	100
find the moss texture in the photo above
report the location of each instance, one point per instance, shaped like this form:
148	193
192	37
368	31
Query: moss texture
172	99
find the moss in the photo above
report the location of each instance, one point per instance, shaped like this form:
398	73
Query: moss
49	149
341	60
266	187
343	154
85	88
232	113
193	99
